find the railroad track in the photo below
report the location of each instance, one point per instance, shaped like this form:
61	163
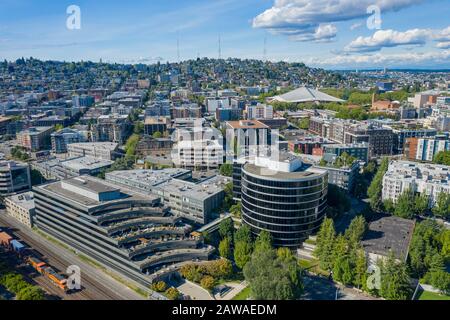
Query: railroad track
91	289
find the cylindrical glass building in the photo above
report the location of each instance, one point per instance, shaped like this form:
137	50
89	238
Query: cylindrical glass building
290	205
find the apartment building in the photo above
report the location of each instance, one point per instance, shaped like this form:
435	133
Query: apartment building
198	148
425	149
35	139
61	139
429	179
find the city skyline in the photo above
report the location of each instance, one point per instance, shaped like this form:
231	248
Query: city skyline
326	34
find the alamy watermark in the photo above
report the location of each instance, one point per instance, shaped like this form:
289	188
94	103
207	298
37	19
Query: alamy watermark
74	279
374	22
73	21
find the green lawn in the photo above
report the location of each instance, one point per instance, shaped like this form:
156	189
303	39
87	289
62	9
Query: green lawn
426	295
243	295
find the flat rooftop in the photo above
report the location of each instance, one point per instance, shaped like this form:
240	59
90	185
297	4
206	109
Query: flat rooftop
95	145
389	233
94	185
24	200
86	163
151	177
247	124
305	172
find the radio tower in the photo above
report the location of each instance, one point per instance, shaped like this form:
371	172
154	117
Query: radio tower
265	48
220	47
178	47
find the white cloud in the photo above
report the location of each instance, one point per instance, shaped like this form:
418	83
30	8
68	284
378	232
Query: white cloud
304	17
356	26
381	60
443	35
323	33
389	38
392	38
443	45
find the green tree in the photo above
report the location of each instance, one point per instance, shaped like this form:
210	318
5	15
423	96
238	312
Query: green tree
273	278
421	204
173	294
395	281
226	170
225	248
226	229
242	253
325	244
30	293
442	207
355	232
157	135
404	208
360	280
160	286
236	210
243	234
443	158
376	187
208	283
263	241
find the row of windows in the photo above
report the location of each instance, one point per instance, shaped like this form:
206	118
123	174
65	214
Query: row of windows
290	195
267	202
283	232
283	184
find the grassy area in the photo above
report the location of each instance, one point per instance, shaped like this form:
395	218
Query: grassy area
313	267
309	241
94	263
243	295
427	295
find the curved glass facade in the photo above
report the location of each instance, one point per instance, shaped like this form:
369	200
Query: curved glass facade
290	209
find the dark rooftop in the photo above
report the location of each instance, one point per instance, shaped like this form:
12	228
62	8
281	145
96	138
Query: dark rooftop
389	233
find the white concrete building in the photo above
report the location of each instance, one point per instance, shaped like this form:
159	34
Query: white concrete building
198	148
421	178
21	207
260	111
98	150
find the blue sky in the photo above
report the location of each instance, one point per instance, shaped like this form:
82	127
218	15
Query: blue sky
323	33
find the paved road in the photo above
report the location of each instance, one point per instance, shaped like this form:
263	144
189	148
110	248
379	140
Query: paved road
97	285
194	291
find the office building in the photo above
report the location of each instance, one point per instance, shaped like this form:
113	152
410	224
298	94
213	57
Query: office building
98	150
156	124
86	165
228	114
284	197
195	200
64	137
21	207
359	151
342	177
14	177
122	229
